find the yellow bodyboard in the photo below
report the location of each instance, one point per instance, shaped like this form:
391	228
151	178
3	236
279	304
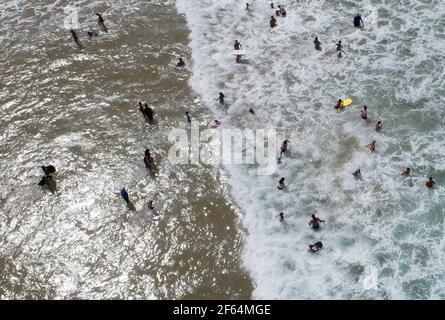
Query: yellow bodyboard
347	102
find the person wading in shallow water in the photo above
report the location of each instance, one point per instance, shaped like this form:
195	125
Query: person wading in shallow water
100	22
76	39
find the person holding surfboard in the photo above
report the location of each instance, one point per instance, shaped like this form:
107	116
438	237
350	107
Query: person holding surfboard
237	46
339	104
358	21
339	48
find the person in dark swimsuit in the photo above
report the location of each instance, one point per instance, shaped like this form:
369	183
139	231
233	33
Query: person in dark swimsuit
180	63
101	23
148	112
315	222
273	22
281	184
317	44
221	98
364	113
237	46
358	21
76	39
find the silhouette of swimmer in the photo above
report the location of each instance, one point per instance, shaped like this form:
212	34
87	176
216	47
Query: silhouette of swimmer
357	174
47	180
221	98
317	44
148	112
180	63
149	161
124	195
100	22
76	39
358	21
281	184
187	117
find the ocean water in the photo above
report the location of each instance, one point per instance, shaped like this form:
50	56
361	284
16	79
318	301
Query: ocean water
384	235
77	110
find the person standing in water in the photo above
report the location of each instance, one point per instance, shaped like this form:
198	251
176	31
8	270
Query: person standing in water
180	63
247	6
124	195
357	174
339	104
148	160
148	112
100	22
430	183
317	44
406	172
378	126
339	49
315	222
221	98
273	22
76	39
371	146
364	113
358	21
281	216
188	118
283	147
281	184
237	46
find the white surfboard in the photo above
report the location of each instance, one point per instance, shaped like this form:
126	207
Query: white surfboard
239	52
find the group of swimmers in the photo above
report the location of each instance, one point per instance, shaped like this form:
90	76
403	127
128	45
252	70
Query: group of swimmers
91	34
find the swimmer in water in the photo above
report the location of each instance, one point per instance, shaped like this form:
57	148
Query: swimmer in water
364	113
283	147
148	112
251	111
371	146
339	49
378	126
281	184
271	6
221	98
76	39
357	174
148	160
339	104
187	117
406	172
315	222
124	195
282	11
141	109
100	22
281	216
273	22
430	183
317	44
358	21
237	46
315	247
180	63
247	6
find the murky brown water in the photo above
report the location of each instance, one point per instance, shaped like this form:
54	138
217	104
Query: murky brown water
78	111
